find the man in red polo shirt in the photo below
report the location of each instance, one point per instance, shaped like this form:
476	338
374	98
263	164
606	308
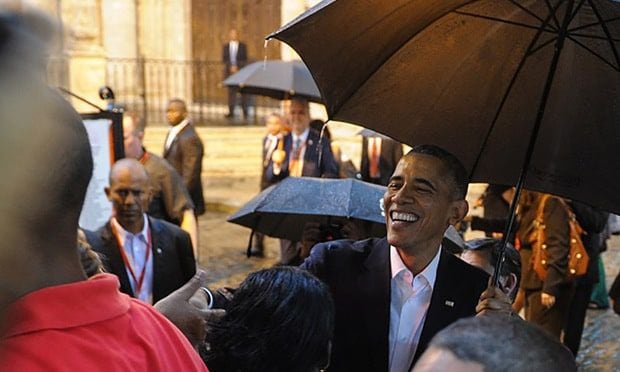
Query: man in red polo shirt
51	317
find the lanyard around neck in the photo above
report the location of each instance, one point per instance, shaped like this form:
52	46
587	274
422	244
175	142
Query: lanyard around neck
138	281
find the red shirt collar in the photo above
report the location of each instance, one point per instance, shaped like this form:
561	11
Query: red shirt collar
69	305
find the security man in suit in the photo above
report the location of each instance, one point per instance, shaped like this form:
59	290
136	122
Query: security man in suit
151	257
379	158
234	56
184	150
302	148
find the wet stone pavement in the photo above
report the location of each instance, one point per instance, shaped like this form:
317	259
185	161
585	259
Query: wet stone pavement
222	255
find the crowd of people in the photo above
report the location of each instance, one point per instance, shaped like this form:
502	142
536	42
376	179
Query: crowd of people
129	296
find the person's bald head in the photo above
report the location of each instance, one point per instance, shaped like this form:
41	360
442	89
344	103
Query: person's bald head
133	135
495	343
129	193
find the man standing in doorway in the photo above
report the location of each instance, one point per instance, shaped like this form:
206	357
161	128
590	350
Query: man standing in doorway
234	56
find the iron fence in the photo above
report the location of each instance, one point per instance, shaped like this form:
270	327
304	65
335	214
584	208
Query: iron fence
146	85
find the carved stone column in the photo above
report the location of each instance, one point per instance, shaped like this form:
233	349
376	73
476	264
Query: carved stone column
84	48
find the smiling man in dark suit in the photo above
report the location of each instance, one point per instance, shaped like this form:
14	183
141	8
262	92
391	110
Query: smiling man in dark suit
151	257
393	294
307	155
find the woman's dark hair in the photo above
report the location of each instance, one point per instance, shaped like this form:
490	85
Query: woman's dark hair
280	319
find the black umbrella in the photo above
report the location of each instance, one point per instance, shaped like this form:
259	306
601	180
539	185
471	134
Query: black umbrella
283	209
276	79
524	92
479	78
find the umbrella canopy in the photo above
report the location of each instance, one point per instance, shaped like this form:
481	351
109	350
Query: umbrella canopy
276	79
493	82
283	209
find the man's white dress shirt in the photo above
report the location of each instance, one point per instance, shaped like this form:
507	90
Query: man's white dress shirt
410	299
135	246
174	131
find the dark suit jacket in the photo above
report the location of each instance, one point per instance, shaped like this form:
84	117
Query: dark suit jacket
328	167
614	291
359	276
173	257
267	177
593	222
185	155
242	57
391	152
170	196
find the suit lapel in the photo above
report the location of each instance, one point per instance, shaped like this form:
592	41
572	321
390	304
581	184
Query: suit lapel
175	140
156	251
115	260
376	285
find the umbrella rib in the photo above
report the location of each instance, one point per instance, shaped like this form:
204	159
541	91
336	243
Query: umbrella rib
534	50
533	27
594	24
508	89
606	31
597	55
577	9
527	10
576	34
552	11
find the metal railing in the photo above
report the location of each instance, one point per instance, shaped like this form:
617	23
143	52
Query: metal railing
146	85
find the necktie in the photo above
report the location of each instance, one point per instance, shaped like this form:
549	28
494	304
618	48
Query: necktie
297	148
294	167
374	159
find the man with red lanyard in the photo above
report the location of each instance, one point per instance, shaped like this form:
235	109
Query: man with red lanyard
151	257
170	200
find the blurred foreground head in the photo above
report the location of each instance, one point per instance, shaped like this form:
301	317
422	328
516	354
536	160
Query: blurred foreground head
45	164
280	319
484	252
495	343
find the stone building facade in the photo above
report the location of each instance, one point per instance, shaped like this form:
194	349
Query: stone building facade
151	50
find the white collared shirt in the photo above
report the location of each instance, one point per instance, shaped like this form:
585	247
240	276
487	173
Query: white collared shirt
135	246
174	131
233	47
409	302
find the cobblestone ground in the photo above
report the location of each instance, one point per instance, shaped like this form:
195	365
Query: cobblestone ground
223	251
222	255
600	345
